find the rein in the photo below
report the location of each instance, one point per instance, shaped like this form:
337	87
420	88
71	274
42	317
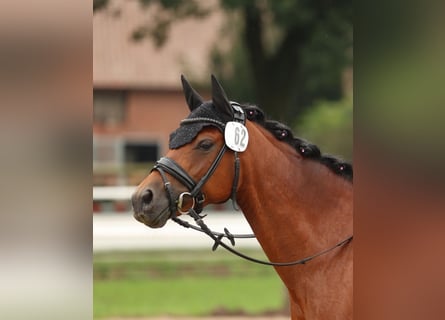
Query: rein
217	237
168	165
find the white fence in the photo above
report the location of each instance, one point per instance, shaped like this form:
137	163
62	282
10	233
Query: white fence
113	193
123	232
112	199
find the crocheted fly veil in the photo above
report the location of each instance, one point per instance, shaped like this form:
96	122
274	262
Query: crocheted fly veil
200	109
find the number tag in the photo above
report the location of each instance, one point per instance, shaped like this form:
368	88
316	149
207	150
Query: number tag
236	136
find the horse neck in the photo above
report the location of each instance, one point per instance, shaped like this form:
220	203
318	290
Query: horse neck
296	207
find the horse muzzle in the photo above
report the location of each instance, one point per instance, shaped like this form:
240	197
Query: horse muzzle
150	207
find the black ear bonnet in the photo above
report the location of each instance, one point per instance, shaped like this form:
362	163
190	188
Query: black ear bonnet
187	132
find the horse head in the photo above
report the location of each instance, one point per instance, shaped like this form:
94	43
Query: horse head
196	170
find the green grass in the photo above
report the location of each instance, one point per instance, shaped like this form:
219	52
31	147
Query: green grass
188	283
186	296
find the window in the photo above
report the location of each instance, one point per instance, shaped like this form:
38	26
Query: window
141	152
107	151
109	106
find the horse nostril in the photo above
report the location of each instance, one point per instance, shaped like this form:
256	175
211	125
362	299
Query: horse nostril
147	196
139	200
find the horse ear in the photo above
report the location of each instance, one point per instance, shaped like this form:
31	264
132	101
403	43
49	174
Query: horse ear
194	100
219	98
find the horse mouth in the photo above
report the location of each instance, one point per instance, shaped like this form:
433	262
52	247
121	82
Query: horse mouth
153	220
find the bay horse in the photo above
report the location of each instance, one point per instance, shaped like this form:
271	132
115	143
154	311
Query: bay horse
297	201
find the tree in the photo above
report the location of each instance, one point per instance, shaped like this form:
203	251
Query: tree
292	52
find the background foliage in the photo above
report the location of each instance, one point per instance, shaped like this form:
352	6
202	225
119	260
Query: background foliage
329	126
285	55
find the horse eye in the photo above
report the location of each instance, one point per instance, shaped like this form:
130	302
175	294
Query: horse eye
205	145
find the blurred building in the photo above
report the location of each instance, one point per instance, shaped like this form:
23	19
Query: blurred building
138	96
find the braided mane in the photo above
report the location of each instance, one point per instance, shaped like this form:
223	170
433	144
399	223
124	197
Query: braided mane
306	149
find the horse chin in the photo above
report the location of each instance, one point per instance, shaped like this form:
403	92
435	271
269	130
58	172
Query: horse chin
153	220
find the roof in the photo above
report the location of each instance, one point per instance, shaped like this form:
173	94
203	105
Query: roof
120	62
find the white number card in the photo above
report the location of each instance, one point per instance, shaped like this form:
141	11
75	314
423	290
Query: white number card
236	136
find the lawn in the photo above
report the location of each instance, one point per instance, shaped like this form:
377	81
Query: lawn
187	283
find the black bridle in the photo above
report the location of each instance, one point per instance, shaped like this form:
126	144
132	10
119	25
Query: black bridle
195	194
